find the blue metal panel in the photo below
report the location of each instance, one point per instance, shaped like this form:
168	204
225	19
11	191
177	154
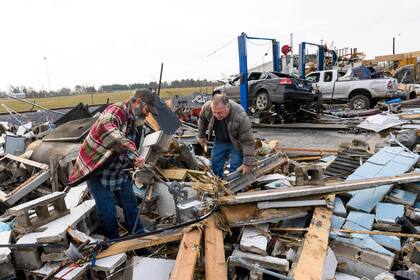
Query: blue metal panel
321	54
243	70
334	58
276	56
302	60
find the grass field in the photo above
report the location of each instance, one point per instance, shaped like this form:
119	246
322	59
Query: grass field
98	98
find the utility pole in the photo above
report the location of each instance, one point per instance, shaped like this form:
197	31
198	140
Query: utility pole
48	73
393	45
160	79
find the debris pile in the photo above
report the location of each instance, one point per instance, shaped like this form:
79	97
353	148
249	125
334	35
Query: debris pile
301	213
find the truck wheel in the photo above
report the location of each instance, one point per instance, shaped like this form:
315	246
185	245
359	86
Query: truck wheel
359	102
262	101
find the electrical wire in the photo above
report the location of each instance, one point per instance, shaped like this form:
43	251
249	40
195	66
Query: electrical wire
252	43
222	47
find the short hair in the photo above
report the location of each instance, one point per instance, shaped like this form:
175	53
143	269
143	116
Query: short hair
220	99
140	94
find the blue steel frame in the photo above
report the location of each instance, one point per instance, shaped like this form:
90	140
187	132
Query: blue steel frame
243	64
321	56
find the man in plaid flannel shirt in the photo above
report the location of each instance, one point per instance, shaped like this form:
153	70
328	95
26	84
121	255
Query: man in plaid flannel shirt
111	147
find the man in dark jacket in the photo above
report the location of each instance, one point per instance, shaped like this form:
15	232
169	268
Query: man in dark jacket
233	134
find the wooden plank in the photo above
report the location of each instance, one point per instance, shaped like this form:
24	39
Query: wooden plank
27	186
249	214
27	161
139	243
174	174
311	261
214	251
187	256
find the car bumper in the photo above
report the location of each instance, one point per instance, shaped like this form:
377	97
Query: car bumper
392	93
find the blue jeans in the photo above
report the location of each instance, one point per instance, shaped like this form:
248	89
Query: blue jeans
105	206
219	155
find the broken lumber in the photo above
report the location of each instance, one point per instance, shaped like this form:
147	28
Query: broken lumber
179	174
249	214
187	256
337	187
139	243
311	261
214	251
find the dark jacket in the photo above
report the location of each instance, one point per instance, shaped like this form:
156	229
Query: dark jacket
239	128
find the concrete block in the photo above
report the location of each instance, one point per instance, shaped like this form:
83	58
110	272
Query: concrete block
344	276
367	251
385	276
357	268
330	265
309	175
151	268
254	240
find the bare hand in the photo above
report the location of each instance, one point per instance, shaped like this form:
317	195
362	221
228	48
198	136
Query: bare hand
202	142
139	162
244	168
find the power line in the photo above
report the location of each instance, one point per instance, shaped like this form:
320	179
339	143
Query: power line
222	47
249	41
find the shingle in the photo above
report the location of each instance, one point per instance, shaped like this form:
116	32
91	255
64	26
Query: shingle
365	200
390	242
405	196
362	219
339	208
388	212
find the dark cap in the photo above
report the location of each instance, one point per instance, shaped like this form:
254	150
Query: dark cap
147	97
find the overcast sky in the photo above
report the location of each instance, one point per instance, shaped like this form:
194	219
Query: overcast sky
95	42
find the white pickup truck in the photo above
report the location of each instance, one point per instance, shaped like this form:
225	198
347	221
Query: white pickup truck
362	93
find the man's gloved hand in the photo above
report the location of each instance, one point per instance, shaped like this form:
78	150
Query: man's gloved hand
244	168
202	141
138	162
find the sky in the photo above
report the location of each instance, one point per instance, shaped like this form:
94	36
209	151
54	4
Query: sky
96	42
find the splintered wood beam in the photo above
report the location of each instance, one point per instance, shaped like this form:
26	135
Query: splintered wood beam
214	251
187	256
310	264
139	243
336	187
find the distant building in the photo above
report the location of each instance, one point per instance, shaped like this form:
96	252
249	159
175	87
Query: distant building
20	95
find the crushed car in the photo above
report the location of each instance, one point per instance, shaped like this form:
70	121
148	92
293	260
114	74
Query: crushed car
283	94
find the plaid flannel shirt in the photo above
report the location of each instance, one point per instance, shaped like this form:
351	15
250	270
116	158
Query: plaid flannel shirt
106	138
113	175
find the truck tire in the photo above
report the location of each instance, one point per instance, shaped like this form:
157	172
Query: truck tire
359	102
262	101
